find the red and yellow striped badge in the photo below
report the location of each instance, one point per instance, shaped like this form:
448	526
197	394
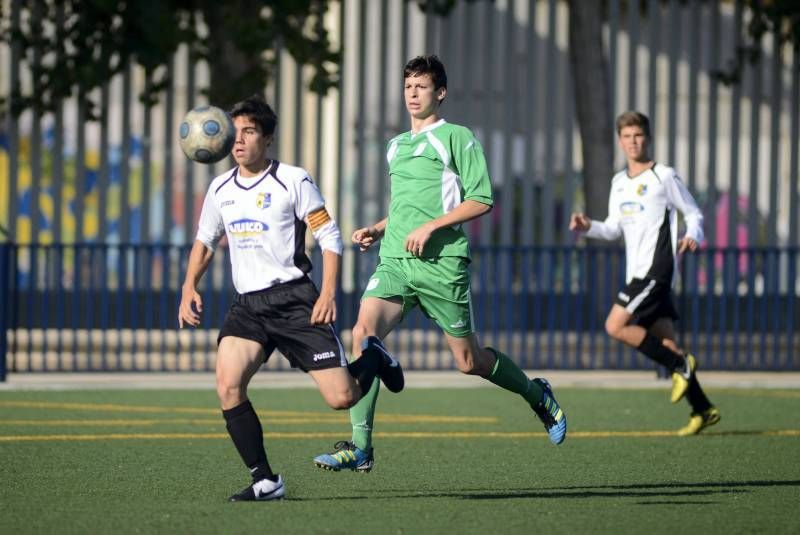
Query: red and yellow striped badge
318	218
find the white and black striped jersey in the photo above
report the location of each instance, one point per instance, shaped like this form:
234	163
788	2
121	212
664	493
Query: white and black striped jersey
264	220
643	210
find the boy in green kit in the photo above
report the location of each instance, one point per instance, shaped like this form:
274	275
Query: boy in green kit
439	180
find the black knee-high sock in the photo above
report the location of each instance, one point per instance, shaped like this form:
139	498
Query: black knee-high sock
654	349
696	397
365	368
245	430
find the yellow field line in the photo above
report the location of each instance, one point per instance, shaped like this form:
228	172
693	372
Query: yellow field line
89	423
424	435
108	407
333	420
270	416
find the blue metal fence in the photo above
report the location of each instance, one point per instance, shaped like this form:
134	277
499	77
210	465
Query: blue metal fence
100	307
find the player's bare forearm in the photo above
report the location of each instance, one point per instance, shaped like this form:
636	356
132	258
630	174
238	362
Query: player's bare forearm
366	237
199	259
466	211
417	238
331	263
380	227
324	311
191	303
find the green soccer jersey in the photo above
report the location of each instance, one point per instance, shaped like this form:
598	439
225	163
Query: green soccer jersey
432	172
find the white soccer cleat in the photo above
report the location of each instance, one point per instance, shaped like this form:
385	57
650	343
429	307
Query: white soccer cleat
261	490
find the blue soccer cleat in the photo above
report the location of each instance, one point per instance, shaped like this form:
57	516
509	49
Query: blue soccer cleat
390	371
347	456
549	412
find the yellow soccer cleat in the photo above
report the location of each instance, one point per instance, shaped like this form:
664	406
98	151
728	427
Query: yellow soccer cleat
699	421
680	379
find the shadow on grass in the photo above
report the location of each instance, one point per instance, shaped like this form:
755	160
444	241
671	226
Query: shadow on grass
637	490
642	490
673	484
682	504
539	494
544	494
745	433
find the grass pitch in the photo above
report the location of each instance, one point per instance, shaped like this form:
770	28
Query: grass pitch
447	461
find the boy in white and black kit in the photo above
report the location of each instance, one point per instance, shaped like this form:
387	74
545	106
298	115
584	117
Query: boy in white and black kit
264	207
642	208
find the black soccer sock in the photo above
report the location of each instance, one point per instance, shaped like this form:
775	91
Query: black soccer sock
365	368
245	430
696	397
655	350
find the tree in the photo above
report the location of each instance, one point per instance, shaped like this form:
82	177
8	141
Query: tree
592	102
781	17
84	43
98	38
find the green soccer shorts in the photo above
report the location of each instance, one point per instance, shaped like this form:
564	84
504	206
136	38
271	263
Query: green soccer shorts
440	286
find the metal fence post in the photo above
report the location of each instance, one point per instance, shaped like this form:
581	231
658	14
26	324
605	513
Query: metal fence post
5	296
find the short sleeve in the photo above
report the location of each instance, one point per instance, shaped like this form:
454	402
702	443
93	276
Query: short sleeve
307	198
470	164
210	227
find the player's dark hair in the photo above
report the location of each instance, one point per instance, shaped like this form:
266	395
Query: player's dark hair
633	118
431	65
257	109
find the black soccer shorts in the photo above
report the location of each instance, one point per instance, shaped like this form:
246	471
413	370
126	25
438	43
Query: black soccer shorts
648	301
279	318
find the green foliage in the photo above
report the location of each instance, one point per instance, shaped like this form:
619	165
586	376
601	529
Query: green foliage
779	17
75	46
81	44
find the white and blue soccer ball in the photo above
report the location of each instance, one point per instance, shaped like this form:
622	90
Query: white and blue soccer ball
207	134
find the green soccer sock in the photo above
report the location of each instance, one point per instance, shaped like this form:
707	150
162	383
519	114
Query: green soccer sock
506	374
362	415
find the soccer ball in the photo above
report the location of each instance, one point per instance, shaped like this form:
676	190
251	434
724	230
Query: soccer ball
207	134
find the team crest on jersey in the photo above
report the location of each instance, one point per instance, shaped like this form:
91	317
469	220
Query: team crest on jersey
642	189
263	200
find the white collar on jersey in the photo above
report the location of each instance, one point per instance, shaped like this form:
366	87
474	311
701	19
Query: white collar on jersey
254	180
428	128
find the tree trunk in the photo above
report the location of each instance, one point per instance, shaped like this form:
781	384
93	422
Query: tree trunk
593	103
590	75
